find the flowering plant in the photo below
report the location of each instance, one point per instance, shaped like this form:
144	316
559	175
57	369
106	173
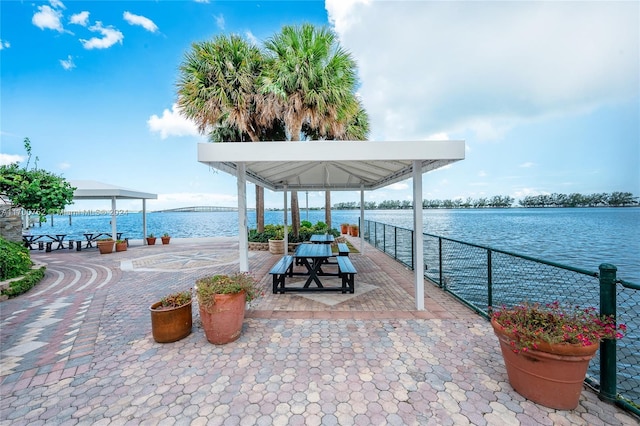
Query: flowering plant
529	324
207	287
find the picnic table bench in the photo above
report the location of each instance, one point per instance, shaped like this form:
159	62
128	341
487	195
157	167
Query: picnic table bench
343	249
347	272
280	270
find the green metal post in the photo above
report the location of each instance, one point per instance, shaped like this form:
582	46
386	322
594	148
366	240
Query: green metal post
489	280
608	386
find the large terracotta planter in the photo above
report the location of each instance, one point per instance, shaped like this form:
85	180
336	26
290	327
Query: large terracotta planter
344	229
106	246
121	246
552	375
170	325
353	230
222	322
276	246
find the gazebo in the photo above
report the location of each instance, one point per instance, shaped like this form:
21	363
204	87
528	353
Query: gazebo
334	166
93	190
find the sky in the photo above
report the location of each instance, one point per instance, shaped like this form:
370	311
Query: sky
546	95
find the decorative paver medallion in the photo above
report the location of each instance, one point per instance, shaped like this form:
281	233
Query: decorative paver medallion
192	259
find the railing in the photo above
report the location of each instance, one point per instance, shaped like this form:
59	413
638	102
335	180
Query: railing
482	277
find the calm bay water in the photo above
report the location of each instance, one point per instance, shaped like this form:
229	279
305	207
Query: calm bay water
581	237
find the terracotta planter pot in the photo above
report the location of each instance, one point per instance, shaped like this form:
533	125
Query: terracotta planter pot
105	246
170	325
276	246
222	323
121	246
165	240
151	241
552	375
354	231
344	229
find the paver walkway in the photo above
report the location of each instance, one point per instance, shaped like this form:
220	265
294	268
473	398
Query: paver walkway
77	349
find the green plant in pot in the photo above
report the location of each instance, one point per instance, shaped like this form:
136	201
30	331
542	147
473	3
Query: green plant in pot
106	245
171	317
547	349
151	239
165	238
276	243
222	301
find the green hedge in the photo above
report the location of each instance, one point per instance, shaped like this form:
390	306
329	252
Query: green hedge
30	279
14	259
307	229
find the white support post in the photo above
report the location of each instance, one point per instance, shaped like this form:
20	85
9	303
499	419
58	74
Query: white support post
418	243
243	243
361	219
144	221
114	227
286	230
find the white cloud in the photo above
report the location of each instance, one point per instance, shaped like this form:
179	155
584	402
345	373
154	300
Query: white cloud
4	44
81	18
57	4
172	123
482	173
219	21
527	165
67	64
6	159
399	186
48	18
252	39
64	165
486	67
110	36
142	21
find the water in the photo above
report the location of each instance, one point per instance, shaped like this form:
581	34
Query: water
580	237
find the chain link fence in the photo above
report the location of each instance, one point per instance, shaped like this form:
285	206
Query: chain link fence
482	277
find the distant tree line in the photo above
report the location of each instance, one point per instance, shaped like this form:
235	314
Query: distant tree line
615	199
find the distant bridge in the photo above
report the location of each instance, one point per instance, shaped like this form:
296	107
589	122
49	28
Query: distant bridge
201	209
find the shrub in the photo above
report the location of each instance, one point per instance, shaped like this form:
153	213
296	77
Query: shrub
31	278
15	260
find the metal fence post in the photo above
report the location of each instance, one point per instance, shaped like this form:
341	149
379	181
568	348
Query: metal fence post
440	260
489	280
608	386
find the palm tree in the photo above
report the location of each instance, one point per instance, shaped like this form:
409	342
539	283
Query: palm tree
217	89
309	80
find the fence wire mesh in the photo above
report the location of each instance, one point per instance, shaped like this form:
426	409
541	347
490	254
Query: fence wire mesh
483	277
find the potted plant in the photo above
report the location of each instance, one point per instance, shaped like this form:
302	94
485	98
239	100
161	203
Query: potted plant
105	245
121	245
221	301
165	238
547	349
151	239
353	230
276	244
344	228
171	318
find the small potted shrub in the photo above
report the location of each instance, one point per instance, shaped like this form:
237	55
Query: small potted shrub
165	238
276	243
353	230
151	239
106	245
547	349
221	300
344	228
121	245
171	317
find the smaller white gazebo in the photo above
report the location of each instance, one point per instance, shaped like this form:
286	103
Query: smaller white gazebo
93	190
334	166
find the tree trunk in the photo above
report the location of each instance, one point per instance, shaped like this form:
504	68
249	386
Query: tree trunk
327	208
295	214
259	208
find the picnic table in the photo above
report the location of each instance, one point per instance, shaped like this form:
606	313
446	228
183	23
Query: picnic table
313	257
322	239
92	237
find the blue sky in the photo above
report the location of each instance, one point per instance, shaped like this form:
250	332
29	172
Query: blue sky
545	94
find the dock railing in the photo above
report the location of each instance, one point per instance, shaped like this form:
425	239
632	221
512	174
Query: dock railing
483	277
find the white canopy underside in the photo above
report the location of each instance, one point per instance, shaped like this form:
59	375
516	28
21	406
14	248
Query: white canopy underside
93	190
329	165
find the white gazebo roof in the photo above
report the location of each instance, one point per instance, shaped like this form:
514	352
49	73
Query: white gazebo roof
93	190
329	165
332	166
